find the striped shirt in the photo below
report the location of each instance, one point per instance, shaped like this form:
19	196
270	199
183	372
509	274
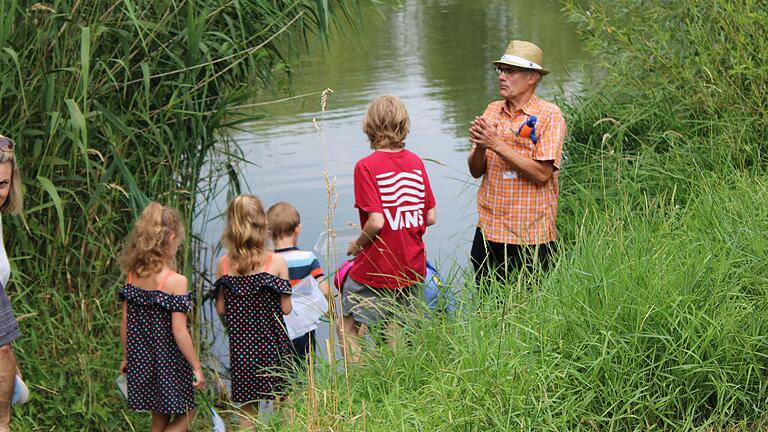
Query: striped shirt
300	264
511	208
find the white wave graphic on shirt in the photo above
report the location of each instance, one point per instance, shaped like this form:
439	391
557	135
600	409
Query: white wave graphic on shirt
402	196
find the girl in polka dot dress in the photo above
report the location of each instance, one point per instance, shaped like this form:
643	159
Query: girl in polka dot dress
253	295
159	360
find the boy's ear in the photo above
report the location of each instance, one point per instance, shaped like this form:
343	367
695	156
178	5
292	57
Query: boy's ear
297	230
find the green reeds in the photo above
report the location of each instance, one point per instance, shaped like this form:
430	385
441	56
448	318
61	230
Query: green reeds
113	104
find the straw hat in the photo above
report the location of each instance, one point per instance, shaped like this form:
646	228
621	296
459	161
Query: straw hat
523	55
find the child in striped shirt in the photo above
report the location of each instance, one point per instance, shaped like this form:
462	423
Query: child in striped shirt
284	227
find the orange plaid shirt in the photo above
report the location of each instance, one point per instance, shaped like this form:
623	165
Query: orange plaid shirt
511	208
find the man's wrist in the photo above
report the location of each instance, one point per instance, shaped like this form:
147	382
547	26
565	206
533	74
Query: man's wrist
493	146
478	151
509	155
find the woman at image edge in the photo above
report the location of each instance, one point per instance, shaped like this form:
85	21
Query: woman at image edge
11	202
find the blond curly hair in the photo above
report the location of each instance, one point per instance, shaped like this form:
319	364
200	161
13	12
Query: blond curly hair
145	249
246	233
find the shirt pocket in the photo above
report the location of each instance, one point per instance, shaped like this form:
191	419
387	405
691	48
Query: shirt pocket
506	131
523	145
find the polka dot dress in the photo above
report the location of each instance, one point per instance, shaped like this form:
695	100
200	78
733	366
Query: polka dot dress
159	377
259	348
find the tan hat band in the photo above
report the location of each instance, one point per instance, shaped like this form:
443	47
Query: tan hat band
520	60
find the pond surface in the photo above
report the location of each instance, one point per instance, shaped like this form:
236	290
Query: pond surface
434	54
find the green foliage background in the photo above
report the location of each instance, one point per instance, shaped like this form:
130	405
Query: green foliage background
113	104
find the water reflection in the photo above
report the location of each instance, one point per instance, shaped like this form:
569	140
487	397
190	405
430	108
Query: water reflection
435	55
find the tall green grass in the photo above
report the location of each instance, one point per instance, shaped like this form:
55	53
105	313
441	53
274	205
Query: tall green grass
685	78
653	319
655	316
113	104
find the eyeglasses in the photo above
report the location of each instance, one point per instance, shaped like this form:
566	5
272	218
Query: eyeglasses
508	71
6	144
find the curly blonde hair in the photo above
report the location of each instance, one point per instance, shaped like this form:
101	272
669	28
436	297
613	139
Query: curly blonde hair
145	249
246	233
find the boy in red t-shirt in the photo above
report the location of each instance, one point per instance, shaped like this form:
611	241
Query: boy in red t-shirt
395	201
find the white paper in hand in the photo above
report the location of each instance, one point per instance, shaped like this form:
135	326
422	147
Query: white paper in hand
309	304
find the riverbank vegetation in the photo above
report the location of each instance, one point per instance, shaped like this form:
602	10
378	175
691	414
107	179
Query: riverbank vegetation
656	314
113	104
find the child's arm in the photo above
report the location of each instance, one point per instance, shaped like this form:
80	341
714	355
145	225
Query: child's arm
184	342
324	287
322	281
220	296
177	285
280	268
432	216
373	225
319	275
285	304
124	337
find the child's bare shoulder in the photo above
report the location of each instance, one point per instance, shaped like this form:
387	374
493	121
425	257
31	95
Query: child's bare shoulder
176	284
222	266
279	260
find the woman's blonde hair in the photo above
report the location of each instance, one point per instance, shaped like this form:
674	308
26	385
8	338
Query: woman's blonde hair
144	252
386	123
14	203
246	233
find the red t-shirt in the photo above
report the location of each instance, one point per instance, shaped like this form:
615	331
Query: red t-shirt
395	185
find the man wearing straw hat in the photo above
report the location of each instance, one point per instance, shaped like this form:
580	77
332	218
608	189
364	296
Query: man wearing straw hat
517	146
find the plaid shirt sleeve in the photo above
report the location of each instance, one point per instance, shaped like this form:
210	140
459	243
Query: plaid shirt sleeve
551	136
490	110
